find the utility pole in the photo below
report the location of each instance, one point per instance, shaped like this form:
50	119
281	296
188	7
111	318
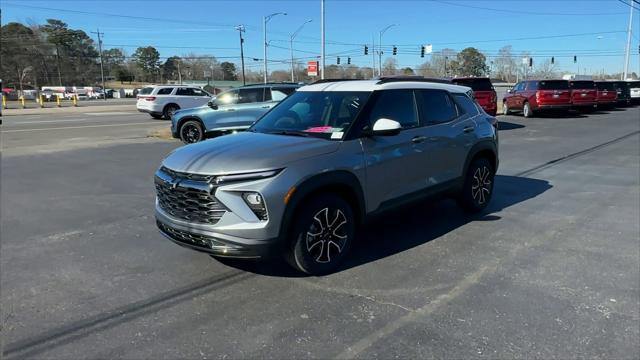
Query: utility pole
380	46
373	56
628	48
322	39
240	29
265	20
291	47
179	73
101	61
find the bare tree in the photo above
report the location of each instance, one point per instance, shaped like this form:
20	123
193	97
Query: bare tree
505	65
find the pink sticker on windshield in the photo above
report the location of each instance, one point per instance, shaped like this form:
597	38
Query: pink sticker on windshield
320	129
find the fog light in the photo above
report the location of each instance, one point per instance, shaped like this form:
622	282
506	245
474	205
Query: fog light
256	204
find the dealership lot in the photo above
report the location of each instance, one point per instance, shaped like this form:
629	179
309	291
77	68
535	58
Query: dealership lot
550	270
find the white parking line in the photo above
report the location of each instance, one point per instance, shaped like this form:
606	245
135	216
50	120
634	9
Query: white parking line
76	127
107	113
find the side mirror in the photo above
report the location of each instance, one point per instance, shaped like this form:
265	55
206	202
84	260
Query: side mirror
385	127
212	104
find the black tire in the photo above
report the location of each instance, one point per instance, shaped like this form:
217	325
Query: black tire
478	185
157	117
169	110
318	244
526	110
505	108
191	132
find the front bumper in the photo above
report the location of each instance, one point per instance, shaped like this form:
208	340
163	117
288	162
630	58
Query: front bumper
214	243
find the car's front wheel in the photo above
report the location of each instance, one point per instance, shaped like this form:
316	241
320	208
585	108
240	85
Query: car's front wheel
191	132
478	186
323	232
526	110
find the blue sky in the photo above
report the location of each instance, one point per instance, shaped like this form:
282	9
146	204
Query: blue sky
207	27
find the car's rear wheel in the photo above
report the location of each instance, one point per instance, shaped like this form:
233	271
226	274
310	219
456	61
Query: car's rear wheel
191	132
323	232
526	110
505	108
478	185
169	110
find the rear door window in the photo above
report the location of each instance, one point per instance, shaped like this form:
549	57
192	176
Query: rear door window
436	106
199	92
468	106
165	91
251	95
397	105
184	92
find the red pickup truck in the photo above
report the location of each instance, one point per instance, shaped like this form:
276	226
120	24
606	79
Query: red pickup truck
483	92
607	94
584	94
533	96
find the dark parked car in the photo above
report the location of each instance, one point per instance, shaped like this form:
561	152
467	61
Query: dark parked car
533	96
584	94
607	94
624	93
483	92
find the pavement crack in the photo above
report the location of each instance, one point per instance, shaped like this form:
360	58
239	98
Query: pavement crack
371	298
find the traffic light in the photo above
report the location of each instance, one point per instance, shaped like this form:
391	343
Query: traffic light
338	62
349	61
530	62
422	51
395	50
575	59
553	60
366	50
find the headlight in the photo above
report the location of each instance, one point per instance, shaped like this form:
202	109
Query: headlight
246	177
256	203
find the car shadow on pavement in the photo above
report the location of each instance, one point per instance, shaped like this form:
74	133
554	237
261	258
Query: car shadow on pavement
414	225
505	125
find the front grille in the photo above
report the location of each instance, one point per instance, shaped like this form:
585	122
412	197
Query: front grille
193	205
188	176
187	237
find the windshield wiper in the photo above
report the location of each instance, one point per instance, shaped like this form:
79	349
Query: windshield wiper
289	132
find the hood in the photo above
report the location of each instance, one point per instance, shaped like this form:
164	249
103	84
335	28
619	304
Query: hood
246	152
192	111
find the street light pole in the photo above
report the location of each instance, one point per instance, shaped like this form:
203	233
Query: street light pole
291	46
265	20
628	49
322	39
380	45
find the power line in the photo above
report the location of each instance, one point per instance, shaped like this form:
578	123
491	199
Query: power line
630	4
524	12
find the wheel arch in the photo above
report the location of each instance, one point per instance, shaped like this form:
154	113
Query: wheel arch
340	182
164	108
485	149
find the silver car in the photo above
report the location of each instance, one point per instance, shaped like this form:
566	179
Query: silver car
299	182
230	111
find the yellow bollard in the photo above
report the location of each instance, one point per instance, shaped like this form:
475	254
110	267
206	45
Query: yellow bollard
22	102
4	101
75	100
58	100
41	100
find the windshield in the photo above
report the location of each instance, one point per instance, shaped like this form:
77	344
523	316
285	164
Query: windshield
479	84
325	114
553	85
582	84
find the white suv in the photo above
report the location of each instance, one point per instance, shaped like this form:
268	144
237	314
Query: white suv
162	101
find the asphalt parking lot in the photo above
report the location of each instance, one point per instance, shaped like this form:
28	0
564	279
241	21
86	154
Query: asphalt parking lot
550	270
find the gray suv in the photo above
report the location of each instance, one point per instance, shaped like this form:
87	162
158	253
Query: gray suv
299	182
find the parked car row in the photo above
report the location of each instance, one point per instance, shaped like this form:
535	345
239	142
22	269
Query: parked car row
535	96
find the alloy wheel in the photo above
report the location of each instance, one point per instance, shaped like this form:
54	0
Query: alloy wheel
327	235
481	187
191	133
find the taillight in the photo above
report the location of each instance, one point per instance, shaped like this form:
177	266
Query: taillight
538	95
150	98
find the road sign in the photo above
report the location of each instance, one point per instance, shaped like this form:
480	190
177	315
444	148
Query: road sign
312	68
428	49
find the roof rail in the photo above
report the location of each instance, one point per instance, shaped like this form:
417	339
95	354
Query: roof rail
388	79
322	81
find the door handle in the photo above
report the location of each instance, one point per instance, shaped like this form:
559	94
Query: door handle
418	139
468	129
266	107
